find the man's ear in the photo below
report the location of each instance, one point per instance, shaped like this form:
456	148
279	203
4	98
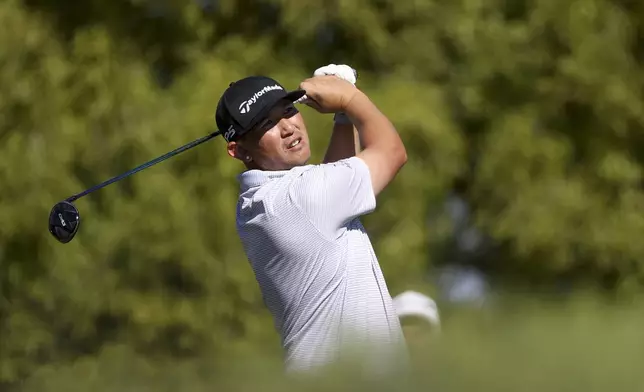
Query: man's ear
236	151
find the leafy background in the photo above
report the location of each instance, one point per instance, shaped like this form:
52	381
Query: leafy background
528	111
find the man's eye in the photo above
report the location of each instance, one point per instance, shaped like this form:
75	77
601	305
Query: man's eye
268	124
290	110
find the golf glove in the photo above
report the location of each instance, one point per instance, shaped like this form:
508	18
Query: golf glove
342	71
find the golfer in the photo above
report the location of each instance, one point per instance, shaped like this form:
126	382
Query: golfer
299	222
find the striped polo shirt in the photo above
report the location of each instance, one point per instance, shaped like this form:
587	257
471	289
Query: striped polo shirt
315	265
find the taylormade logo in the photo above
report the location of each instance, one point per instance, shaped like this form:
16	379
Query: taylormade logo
244	107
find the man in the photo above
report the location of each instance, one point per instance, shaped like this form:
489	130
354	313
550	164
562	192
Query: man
299	223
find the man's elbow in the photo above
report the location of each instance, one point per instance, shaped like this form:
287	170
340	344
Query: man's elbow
404	155
400	155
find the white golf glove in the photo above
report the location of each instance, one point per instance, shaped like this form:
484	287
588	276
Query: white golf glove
342	71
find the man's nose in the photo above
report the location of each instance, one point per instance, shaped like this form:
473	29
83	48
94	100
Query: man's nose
286	127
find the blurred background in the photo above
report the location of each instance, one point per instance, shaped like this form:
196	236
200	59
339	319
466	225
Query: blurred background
518	214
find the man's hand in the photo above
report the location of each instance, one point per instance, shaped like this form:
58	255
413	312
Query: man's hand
344	137
342	71
328	93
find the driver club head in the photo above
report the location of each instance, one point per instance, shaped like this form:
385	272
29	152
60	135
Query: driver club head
64	220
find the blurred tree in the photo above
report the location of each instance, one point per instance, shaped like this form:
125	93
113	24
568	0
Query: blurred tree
533	107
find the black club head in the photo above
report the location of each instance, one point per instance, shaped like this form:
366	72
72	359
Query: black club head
64	220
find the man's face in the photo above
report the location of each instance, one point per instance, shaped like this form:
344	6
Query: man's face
278	142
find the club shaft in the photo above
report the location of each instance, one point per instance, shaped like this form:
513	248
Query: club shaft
144	166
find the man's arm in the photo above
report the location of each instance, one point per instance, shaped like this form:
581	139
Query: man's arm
383	150
332	194
344	142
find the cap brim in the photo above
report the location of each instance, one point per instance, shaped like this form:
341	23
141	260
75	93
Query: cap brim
426	314
291	96
295	95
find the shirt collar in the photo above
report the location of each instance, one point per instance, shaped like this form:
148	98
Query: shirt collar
254	178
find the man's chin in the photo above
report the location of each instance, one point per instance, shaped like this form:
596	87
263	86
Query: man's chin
299	162
305	158
300	159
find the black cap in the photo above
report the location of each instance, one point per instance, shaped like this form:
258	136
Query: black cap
247	101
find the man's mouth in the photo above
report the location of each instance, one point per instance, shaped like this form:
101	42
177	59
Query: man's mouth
294	143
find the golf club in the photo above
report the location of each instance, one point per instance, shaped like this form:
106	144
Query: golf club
64	218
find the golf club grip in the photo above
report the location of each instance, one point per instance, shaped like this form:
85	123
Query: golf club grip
144	166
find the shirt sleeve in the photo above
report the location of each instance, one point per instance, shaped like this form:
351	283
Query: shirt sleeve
332	194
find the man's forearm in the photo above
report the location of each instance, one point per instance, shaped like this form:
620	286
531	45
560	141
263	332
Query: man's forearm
383	150
374	128
344	143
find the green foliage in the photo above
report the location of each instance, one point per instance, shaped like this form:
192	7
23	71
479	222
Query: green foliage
534	107
586	346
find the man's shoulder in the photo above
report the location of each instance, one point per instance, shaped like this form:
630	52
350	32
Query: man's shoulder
299	182
353	163
266	190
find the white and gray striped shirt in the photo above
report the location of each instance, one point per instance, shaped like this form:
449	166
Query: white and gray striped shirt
314	262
